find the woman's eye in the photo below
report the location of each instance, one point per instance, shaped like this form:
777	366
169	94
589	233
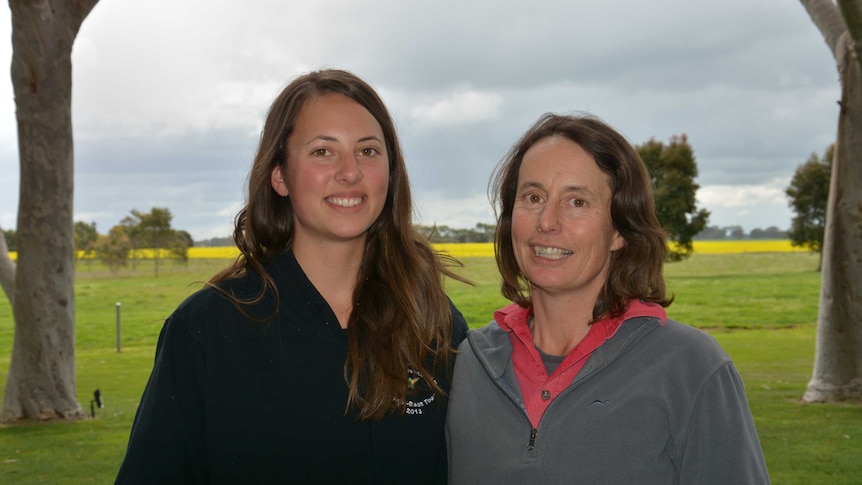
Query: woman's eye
368	152
320	152
534	198
577	202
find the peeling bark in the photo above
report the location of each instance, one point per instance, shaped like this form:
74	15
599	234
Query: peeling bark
837	374
41	379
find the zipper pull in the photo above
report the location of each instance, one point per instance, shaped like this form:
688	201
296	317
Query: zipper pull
532	443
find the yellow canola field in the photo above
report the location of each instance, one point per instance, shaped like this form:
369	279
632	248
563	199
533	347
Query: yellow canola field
227	252
482	250
746	246
486	250
458	250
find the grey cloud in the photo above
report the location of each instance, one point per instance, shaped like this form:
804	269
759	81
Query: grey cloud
750	82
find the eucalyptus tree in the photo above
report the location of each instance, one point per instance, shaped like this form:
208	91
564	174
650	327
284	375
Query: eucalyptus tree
41	379
837	371
672	169
808	194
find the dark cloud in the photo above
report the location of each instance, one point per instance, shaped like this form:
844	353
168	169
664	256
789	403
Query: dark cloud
169	116
200	177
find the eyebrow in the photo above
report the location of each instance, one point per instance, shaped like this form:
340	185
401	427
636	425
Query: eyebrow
568	188
332	138
530	185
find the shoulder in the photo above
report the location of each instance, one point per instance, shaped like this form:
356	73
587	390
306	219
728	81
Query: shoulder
491	336
688	353
215	298
459	325
695	340
192	316
222	302
489	331
200	300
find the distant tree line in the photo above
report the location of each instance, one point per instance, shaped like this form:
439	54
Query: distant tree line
437	234
125	241
481	232
215	242
716	233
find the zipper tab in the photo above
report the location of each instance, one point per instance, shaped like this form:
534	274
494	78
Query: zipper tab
532	443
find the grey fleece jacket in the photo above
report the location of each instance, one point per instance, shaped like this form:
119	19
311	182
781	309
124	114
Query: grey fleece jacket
653	405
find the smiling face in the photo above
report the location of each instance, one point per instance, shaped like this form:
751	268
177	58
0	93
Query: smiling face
337	171
562	232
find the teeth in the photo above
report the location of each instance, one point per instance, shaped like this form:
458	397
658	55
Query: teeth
550	253
344	201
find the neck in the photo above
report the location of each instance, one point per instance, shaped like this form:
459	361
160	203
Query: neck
333	270
560	323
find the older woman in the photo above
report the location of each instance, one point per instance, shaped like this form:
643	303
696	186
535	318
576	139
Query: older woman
583	379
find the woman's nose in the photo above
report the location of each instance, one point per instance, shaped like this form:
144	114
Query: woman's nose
349	171
549	218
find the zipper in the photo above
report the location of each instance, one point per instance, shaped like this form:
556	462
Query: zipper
514	401
531	444
577	382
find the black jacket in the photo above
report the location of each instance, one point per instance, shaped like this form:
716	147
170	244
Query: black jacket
233	400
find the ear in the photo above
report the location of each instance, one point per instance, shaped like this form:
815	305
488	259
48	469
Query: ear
277	181
617	242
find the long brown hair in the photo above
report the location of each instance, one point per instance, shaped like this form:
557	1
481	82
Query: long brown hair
636	268
403	320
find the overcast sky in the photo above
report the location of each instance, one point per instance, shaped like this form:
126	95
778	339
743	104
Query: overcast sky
169	95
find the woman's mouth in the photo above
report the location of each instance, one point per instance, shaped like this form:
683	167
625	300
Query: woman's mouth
550	253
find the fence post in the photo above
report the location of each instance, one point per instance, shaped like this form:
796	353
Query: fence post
119	331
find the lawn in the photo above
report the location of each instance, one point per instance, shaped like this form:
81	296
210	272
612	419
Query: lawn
760	306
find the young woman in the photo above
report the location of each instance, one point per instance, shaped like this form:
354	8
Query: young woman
323	354
584	379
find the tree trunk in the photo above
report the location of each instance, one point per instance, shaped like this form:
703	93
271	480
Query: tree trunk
41	380
838	359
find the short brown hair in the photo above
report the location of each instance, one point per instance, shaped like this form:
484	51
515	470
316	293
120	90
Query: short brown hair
636	268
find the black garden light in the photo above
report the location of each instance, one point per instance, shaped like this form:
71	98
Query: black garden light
96	401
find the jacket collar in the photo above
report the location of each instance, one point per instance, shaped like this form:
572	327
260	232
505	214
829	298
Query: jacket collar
493	347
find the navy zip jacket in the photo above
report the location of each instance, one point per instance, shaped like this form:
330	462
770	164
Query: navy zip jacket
232	400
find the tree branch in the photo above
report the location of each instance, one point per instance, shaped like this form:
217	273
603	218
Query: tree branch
827	18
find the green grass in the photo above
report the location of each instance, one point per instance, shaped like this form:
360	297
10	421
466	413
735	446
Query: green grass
760	307
803	443
745	290
83	452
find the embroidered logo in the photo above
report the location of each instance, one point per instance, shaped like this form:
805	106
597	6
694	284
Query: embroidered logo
419	396
412	379
609	405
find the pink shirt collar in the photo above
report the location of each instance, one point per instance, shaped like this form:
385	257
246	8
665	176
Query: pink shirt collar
513	316
539	389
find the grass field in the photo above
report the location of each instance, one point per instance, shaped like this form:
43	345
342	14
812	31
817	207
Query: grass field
761	306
